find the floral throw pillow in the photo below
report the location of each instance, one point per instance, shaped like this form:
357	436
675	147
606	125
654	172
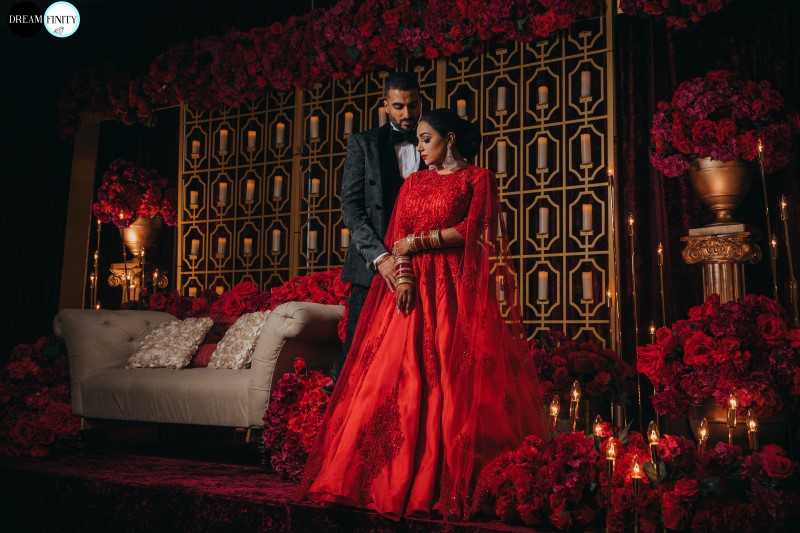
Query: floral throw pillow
236	347
171	345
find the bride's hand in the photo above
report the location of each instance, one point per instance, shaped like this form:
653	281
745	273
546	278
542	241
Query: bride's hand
400	247
404	298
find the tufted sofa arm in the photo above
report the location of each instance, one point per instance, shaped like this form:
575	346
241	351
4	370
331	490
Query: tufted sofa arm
101	339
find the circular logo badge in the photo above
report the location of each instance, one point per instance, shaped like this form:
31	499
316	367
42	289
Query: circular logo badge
62	19
25	19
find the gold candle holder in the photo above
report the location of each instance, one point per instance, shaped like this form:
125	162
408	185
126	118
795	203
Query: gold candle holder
636	481
611	459
632	236
596	429
574	403
733	404
792	279
660	255
702	437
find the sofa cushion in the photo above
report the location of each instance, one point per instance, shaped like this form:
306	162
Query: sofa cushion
236	348
171	345
222	322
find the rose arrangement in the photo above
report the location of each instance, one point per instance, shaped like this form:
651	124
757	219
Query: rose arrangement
565	484
602	373
722	117
128	191
291	422
35	411
745	347
324	287
676	13
347	40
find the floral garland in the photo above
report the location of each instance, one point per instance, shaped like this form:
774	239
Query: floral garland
602	373
565	484
746	347
676	13
324	287
292	420
35	412
128	192
348	40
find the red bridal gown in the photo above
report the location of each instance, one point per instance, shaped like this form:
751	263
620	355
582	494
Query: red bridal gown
426	399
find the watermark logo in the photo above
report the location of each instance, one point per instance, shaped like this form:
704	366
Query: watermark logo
62	19
25	19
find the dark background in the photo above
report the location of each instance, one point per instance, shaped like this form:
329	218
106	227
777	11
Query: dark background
758	38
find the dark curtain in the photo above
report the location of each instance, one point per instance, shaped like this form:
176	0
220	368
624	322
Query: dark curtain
759	40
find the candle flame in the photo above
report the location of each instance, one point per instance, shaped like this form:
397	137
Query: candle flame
653	433
660	249
773	242
631	220
598	425
555	405
783	201
733	401
611	450
610	171
575	391
760	146
752	421
702	431
97	305
652	328
636	468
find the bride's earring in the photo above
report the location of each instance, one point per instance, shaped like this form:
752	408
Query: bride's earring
449	162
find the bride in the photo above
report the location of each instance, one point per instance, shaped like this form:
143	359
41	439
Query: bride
437	382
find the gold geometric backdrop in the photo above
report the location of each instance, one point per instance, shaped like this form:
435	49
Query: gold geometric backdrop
261	184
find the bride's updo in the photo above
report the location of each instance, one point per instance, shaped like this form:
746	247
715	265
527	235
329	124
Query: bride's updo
468	135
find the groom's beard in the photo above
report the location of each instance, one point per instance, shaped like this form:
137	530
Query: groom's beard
405	125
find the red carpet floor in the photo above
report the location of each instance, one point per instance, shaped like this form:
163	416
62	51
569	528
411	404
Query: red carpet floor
114	491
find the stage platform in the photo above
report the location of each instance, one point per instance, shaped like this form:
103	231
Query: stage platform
123	491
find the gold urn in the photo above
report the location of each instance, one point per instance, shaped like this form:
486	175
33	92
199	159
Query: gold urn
143	233
721	185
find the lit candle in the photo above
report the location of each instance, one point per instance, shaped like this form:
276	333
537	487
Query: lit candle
541	159
501	98
276	240
251	139
586	82
195	147
193	198
248	245
222	198
195	248
500	288
702	436
542	95
653	436
314	127
312	240
348	123
501	157
586	281
314	186
280	133
611	457
586	217
574	401
752	430
222	245
250	189
733	404
345	238
544	220
586	148
223	140
461	107
541	289
277	187
192	292
381	116
555	408
220	289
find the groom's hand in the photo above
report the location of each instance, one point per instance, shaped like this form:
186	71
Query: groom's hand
386	270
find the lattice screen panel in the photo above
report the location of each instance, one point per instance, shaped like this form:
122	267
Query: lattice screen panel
270	187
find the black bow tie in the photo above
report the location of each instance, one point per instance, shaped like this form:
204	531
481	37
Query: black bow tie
407	136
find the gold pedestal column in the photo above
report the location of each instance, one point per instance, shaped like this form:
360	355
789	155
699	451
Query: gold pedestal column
723	252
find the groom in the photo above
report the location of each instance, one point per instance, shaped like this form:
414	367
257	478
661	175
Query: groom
378	160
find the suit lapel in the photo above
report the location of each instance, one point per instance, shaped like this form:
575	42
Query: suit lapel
390	171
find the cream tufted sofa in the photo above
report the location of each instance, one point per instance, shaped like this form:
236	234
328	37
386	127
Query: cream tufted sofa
99	343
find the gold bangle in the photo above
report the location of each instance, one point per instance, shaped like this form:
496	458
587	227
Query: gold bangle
412	245
402	260
436	238
382	259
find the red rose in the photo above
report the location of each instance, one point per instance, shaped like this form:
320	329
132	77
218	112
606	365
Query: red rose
777	467
726	129
299	365
698	349
687	489
158	302
674	511
793	336
245	289
391	18
718	75
666	339
650	362
771	328
232	305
